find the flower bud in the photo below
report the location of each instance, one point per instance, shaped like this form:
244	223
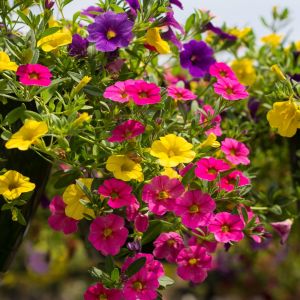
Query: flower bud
141	223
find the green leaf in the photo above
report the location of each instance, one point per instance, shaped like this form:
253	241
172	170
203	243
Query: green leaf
189	23
96	273
49	31
155	228
189	176
164	281
135	266
115	275
14	115
276	209
109	264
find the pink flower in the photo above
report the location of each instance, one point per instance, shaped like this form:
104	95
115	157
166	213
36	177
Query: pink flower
236	152
118	193
283	228
221	70
98	291
179	93
195	208
234	178
209	245
141	223
167	246
108	234
193	264
34	75
227	227
160	194
209	168
118	91
58	219
126	131
214	122
230	89
143	93
132	210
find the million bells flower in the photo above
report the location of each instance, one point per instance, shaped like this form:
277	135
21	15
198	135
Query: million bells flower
35	74
154	39
6	64
53	41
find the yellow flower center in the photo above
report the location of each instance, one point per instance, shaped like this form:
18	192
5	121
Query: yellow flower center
114	195
229	91
193	261
111	34
178	95
107	232
194	209
171	242
143	94
163	195
103	297
138	286
34	76
225	228
212	171
223	73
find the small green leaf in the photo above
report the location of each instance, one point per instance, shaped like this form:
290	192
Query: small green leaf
164	281
135	266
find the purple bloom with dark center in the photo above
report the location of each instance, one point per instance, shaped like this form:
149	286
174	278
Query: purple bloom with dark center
177	3
197	57
218	31
78	47
92	11
110	31
134	4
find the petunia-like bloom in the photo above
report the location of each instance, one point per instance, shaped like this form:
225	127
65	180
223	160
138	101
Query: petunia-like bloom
210	141
285	116
177	3
195	208
6	64
244	71
160	194
219	32
72	197
227	227
108	234
203	242
209	168
179	93
92	11
13	184
118	192
235	178
221	70
272	39
81	119
197	57
134	4
283	228
208	118
141	223
49	4
126	131
53	41
36	74
124	168
98	292
27	135
193	263
78	47
171	173
118	91
132	211
110	31
154	39
172	150
230	89
236	152
167	246
58	220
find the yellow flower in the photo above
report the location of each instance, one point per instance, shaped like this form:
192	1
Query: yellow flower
53	23
244	71
13	184
172	150
53	41
81	84
211	141
240	33
154	39
276	69
72	196
84	117
171	173
297	45
27	135
286	117
124	168
272	39
6	64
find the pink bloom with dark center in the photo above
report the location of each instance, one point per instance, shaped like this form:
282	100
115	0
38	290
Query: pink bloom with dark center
98	291
283	228
132	210
179	93
126	131
236	152
108	234
208	119
195	208
227	227
160	194
235	178
58	219
221	70
118	91
119	193
209	168
141	223
36	74
203	242
230	89
193	263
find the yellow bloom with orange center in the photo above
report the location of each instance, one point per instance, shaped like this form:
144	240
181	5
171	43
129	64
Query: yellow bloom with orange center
240	33
273	39
244	71
154	39
6	64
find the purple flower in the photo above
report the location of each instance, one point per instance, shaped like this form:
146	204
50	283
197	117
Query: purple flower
218	31
177	3
49	4
171	36
78	47
283	228
197	57
110	31
134	4
169	20
92	11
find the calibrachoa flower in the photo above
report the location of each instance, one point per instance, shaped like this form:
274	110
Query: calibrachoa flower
179	93
6	64
53	41
126	131
110	31
154	39
132	210
118	91
36	74
92	11
236	152
221	70
195	208
244	71
99	292
193	263
177	3
235	178
171	150
13	184
214	121
209	168
119	193
58	220
230	89
167	246
197	57
227	227
134	4
78	47
203	242
160	194
283	228
272	39
210	141
108	234
141	223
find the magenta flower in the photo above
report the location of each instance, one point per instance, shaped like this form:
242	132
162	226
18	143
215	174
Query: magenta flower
132	210
126	131
179	93
160	194
193	264
98	291
167	246
209	168
221	70
209	245
227	227
119	193
234	178
36	74
195	208
118	91
108	234
230	89
141	223
236	152
58	220
283	228
208	118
